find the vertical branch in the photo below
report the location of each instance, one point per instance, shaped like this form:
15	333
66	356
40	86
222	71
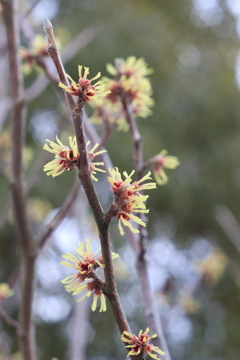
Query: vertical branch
102	221
84	175
27	251
151	314
83	165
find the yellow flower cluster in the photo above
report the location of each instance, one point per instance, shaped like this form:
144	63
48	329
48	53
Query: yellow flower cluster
84	88
66	157
85	262
140	344
130	84
138	68
127	198
161	161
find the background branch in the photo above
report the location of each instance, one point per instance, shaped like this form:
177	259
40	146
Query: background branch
151	314
60	215
229	224
33	178
27	250
8	320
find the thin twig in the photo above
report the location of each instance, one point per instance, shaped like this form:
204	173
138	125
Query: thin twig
137	140
26	245
80	41
26	29
59	217
229	224
8	320
31	8
151	314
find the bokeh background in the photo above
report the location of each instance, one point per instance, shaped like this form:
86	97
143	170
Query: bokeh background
193	47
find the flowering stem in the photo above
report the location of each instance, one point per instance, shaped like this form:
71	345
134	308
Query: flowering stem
102	221
83	165
151	314
26	245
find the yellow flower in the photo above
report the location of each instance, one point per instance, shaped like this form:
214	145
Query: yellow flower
161	161
91	286
94	165
65	157
136	92
131	84
5	291
128	198
84	262
140	344
84	88
130	67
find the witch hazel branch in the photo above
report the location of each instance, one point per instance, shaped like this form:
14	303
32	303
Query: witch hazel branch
130	88
106	97
130	85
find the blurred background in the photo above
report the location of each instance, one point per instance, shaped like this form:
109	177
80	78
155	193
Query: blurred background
194	247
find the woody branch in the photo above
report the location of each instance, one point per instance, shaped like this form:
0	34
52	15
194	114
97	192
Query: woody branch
27	250
151	314
85	178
